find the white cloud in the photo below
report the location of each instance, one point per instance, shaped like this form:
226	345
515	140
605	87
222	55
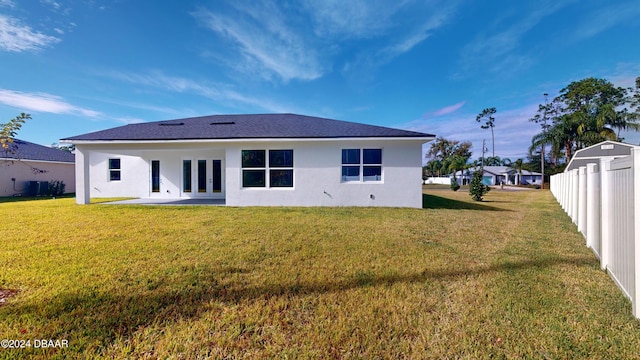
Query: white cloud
351	19
624	74
402	32
607	17
302	42
7	3
215	91
54	4
513	131
43	102
263	39
449	109
16	37
498	50
129	120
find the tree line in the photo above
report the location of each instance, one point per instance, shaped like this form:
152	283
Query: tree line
584	113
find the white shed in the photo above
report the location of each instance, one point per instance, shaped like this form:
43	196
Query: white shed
593	154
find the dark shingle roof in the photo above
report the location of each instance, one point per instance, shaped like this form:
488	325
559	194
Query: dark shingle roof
24	150
244	127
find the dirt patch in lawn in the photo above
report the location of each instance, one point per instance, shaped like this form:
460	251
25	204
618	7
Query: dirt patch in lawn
5	294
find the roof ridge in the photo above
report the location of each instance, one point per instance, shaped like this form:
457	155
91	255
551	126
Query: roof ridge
246	126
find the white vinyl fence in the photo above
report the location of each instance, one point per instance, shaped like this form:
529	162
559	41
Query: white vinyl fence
603	200
438	180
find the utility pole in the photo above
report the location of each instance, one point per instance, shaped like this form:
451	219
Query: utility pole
544	129
484	148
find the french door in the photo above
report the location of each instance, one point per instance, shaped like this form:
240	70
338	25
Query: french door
202	177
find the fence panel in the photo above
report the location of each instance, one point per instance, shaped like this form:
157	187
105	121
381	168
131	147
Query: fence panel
575	191
594	209
438	180
582	201
603	200
621	264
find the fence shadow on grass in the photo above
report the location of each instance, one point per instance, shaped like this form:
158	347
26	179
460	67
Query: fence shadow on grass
101	319
437	202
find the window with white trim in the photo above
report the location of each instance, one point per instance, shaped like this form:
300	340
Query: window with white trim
114	169
276	172
361	165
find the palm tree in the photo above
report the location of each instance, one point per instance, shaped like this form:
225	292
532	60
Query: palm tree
434	167
457	163
518	166
548	138
492	161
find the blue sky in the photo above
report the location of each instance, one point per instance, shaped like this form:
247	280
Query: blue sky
432	66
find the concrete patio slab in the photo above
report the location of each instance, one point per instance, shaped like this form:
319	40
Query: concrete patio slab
169	202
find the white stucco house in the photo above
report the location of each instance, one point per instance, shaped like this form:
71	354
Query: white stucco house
253	160
27	169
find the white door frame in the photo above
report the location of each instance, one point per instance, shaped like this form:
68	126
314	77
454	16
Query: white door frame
151	178
206	189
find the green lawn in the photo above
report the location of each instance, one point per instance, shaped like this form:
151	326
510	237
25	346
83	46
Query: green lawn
506	278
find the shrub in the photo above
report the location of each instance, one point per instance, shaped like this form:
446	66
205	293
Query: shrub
477	189
454	184
56	187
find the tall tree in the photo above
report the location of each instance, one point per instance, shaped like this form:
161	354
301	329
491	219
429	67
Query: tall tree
444	153
542	118
633	117
585	112
9	130
591	106
489	123
442	148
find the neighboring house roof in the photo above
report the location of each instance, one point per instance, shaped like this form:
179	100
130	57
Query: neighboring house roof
24	150
494	170
594	153
257	126
501	171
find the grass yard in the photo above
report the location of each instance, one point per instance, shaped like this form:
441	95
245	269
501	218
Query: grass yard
506	278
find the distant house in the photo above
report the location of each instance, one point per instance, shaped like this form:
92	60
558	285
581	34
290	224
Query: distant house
249	160
27	168
496	175
604	150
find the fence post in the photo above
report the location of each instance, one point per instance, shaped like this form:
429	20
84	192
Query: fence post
567	177
565	192
569	207
635	153
560	189
561	194
606	211
593	208
582	201
575	192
